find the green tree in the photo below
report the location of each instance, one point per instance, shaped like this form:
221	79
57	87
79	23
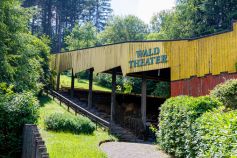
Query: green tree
57	18
192	18
121	29
81	37
102	13
24	70
23	56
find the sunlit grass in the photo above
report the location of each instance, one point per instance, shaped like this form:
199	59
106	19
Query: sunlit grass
68	145
65	81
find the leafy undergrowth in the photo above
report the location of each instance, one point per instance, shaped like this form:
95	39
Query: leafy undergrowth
68	145
81	83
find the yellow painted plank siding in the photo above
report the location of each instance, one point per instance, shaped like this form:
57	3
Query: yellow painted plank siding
186	58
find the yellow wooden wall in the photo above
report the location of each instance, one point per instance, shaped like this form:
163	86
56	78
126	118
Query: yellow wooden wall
186	58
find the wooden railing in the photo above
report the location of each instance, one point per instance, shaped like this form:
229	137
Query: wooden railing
134	124
78	109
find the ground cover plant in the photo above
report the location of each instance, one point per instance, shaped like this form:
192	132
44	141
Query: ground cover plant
67	144
69	123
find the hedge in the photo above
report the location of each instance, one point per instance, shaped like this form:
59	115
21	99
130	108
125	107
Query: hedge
226	93
69	123
176	123
15	111
216	134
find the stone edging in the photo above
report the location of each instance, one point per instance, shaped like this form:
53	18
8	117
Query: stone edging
106	141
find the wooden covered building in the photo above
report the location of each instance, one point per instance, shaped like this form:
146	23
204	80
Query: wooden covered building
193	66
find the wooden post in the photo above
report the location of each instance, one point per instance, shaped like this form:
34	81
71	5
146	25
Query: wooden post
143	99
58	82
113	95
90	88
72	84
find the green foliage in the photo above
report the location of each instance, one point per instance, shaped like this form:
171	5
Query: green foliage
127	86
156	36
71	13
81	37
70	123
226	93
216	134
191	18
83	75
24	58
5	89
24	70
162	89
121	29
67	144
15	111
176	121
104	80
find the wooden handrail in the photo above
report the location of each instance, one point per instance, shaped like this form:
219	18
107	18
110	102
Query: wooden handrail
77	108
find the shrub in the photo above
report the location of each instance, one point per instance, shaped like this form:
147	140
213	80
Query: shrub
15	111
177	116
69	123
216	134
104	80
162	89
226	93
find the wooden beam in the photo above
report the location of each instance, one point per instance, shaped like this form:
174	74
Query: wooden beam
90	88
72	84
113	95
150	77
143	99
58	82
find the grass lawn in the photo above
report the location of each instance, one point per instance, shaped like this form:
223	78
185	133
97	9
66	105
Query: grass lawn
67	145
83	84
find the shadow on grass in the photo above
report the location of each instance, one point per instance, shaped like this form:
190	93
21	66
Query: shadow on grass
44	100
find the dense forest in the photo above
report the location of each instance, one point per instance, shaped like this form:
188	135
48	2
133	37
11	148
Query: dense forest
74	24
31	29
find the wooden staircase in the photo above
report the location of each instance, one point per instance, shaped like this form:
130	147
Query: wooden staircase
121	133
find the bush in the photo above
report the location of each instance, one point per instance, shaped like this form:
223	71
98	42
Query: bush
162	89
176	120
69	123
216	134
83	75
104	80
15	111
226	93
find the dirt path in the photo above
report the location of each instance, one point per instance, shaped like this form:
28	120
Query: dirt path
132	150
